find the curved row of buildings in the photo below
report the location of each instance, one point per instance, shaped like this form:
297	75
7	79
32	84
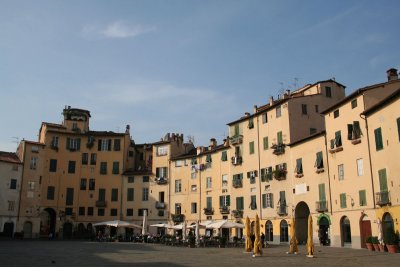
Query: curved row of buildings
311	151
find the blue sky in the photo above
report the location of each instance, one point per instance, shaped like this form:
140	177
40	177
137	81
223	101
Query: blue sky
180	66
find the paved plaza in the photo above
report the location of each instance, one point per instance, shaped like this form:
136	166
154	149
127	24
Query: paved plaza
81	253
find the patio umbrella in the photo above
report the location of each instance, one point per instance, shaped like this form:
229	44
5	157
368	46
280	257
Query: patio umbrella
184	231
257	241
144	222
310	243
176	227
161	225
197	233
248	246
117	223
224	224
293	240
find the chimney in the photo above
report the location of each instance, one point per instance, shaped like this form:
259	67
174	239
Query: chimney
200	149
255	109
213	143
271	100
392	74
226	141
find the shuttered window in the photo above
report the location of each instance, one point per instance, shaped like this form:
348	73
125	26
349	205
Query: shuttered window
378	139
363	197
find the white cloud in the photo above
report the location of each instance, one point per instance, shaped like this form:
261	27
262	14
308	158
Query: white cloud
117	29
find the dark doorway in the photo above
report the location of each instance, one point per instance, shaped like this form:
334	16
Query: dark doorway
345	231
301	216
323	232
365	230
67	230
269	229
387	227
47	222
8	229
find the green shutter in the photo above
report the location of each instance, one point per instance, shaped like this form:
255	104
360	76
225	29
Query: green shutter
279	138
109	144
378	139
319	162
251	147
343	203
209	202
236	130
338	139
239	203
321	189
282	198
228	201
265	141
332	143
299	166
357	129
349	131
221	201
383	180
264	201
363	197
224	156
99	145
208	158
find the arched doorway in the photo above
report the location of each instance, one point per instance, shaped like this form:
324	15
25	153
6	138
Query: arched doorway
28	230
81	231
8	229
365	230
387	227
269	231
345	231
323	231
301	216
47	222
284	237
67	230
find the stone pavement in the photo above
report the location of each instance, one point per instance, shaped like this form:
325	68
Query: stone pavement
81	253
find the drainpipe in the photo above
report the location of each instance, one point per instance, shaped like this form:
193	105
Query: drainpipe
329	175
370	160
22	182
259	166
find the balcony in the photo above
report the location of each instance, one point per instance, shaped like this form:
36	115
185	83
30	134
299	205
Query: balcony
236	140
321	206
237	213
161	180
280	174
282	210
319	170
224	210
101	203
236	160
177	218
237	183
278	149
208	211
382	198
160	205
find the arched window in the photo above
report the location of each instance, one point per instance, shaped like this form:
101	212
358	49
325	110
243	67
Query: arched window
284	231
269	235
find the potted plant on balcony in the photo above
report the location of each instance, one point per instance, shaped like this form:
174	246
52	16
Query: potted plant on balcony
369	244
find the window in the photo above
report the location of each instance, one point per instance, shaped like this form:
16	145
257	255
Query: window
100	212
378	139
103	167
131	179
343	203
68	211
130	154
71	166
178	186
73	144
69	200
129	212
193	207
53	165
50	192
278	111
279	137
209	202
267	200
179	163
363	197
224	180
178	208
13	184
265	143
338	139
54	142
208	182
253	202
104	145
85	158
252	176
321	191
264	118
162	150
284	236
208	158
251	123
93	158
83	184
398	127
382	180
341	172
193	188
90	211
130	195
237	130
240	203
117	144
299	166
81	211
162	172
251	147
11	205
115	169
102	194
328	91
304	109
224	201
316	108
336	114
114	194
92	184
33	163
224	156
360	167
354	103
353	130
113	212
31	185
145	194
146	179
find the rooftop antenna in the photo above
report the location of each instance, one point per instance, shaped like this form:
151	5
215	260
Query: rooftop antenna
296	80
190	139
